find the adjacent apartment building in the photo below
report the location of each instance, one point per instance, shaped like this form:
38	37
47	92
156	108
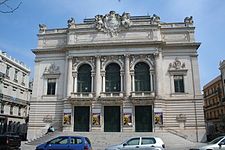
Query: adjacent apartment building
117	73
14	96
214	104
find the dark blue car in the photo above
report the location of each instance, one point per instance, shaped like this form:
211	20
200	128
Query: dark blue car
66	143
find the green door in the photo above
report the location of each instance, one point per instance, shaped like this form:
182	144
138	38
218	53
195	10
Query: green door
81	118
112	119
143	118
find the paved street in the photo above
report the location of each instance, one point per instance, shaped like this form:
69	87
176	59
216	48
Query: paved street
98	147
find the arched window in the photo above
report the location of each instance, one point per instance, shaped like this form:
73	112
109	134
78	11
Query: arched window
142	77
84	78
112	78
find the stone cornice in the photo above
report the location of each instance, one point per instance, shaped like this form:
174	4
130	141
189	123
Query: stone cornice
188	44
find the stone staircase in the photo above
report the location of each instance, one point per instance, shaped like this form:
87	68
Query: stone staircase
101	140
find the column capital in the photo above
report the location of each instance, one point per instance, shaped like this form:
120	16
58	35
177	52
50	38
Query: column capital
74	74
127	55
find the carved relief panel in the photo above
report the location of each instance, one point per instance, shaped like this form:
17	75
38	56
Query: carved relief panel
149	59
77	61
105	60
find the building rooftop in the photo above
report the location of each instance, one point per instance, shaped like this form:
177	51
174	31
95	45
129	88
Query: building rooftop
4	55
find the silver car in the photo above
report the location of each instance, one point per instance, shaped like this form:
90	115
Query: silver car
140	143
216	144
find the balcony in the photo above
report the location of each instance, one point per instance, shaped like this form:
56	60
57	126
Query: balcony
111	94
82	95
148	94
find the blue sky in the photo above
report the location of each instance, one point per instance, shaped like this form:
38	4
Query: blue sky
18	30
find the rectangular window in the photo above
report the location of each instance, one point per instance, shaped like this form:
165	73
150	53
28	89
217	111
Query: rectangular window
23	79
16	76
2	108
51	86
7	71
11	110
19	111
179	83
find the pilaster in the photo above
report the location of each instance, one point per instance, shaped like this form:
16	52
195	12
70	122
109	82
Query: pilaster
98	81
127	83
69	77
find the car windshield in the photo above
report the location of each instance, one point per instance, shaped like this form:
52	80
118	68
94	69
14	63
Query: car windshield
216	140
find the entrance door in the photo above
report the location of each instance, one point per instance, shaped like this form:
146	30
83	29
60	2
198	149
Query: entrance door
112	119
143	118
81	118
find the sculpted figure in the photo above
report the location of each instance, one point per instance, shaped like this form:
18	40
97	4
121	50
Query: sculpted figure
42	27
99	22
189	20
125	20
71	22
155	19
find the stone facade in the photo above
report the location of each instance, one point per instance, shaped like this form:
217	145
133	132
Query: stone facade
14	95
222	70
128	44
214	105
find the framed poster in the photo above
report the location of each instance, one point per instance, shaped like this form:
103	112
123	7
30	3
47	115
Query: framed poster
158	118
96	119
127	119
67	117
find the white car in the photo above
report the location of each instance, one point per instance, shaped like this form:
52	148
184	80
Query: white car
140	143
216	144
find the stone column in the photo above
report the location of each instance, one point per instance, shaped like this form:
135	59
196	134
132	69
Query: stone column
69	77
151	80
127	82
103	81
98	82
92	82
158	69
133	83
75	82
121	81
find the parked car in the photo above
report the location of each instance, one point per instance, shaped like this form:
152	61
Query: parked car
140	143
216	144
9	142
66	143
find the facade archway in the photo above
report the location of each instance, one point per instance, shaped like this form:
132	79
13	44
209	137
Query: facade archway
84	78
112	78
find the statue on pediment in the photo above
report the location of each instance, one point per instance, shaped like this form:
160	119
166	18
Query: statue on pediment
111	23
154	19
42	27
126	20
188	20
71	23
99	22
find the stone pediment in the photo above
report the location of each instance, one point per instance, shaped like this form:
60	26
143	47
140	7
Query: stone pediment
177	67
52	71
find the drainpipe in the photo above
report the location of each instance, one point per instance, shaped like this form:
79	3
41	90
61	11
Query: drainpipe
194	101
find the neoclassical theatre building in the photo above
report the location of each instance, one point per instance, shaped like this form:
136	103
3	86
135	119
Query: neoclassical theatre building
117	73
